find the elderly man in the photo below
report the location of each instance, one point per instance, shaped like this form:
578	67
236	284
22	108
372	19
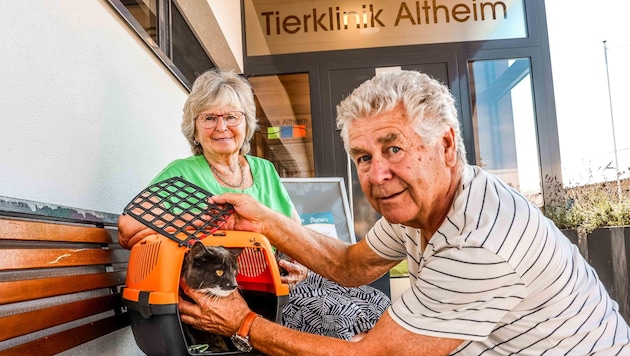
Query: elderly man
489	273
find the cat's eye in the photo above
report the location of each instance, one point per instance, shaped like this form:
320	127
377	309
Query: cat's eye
219	272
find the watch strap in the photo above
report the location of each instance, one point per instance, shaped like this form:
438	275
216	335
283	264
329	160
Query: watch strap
246	324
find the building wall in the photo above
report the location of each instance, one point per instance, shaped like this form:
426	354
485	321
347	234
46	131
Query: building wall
88	115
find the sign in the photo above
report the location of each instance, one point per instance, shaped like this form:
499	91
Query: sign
323	205
279	27
323	222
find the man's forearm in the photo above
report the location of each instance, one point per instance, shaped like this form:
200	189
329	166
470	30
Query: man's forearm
320	253
337	260
274	339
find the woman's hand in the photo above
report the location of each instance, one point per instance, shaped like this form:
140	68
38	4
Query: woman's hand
219	315
296	272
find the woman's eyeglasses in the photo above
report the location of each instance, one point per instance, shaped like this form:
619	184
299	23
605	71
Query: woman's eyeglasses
230	118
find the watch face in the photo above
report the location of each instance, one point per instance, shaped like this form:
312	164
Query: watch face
241	343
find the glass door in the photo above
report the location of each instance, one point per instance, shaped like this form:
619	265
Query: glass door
504	123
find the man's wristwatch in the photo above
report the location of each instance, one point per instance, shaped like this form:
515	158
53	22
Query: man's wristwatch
241	338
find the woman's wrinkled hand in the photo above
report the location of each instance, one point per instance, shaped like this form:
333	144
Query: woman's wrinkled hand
296	272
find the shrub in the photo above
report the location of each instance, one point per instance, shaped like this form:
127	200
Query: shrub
586	207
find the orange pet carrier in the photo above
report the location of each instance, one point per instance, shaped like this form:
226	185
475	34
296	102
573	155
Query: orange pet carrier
180	213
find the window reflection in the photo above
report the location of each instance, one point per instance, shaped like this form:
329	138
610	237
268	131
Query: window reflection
145	12
187	53
504	123
284	135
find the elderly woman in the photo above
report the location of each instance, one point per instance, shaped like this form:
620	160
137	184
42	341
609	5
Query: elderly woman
219	121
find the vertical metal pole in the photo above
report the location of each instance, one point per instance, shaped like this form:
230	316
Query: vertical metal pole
612	121
164	27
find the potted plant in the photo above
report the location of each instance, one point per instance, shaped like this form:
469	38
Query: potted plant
586	207
596	217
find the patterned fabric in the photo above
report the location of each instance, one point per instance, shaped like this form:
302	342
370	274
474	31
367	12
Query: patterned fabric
320	306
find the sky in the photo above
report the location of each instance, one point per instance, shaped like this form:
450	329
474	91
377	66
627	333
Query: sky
577	31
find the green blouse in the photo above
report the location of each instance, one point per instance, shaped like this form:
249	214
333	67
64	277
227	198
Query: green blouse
267	187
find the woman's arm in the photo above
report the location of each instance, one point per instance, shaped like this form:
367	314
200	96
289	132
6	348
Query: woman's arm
131	231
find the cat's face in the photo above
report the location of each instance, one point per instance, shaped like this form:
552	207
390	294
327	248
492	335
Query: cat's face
211	269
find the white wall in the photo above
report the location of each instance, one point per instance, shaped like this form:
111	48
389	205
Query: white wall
88	115
225	13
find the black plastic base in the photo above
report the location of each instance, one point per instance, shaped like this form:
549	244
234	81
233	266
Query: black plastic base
160	333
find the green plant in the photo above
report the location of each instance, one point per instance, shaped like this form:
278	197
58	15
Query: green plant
586	207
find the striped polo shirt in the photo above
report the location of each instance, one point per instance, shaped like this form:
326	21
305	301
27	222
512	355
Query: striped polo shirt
502	277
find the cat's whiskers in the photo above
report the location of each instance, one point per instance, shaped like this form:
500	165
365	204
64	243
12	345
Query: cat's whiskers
207	298
211	298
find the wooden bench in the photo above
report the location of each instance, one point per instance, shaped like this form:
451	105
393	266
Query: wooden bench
60	279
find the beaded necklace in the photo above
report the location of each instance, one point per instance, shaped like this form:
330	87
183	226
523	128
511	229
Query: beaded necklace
222	179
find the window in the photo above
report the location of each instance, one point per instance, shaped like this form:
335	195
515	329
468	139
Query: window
504	123
284	135
188	54
145	12
164	29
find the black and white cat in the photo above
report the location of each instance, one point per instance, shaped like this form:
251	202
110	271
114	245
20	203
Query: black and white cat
211	270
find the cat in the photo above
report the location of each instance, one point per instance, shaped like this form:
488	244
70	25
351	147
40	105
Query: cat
211	270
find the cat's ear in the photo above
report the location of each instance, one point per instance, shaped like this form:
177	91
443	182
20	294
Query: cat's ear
197	248
235	251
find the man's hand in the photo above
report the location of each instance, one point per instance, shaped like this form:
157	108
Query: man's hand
250	214
219	315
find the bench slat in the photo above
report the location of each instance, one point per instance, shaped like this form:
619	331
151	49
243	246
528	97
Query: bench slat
13	259
43	259
40	231
62	341
23	290
36	320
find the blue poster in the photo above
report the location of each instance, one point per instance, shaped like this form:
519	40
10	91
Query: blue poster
323	223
